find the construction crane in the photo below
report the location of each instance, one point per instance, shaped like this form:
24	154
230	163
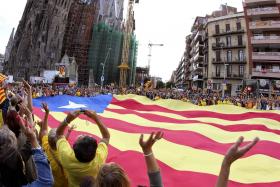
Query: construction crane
128	31
151	45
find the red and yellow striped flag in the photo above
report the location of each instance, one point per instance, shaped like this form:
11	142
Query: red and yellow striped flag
2	95
194	144
2	77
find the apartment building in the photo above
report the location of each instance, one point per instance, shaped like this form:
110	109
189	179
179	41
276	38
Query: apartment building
182	72
195	65
227	52
263	23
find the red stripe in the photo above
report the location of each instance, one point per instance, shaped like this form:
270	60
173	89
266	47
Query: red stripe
134	105
165	119
172	178
179	137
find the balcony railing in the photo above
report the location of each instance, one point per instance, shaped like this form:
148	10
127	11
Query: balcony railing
264	25
216	46
275	56
259	2
228	76
265	40
198	67
198	57
263	11
269	73
198	37
223	32
233	61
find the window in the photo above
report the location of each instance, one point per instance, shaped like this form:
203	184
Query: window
229	56
217	29
275	69
241	70
218	41
227	27
228	40
258	68
218	71
240	40
218	56
229	70
241	56
238	26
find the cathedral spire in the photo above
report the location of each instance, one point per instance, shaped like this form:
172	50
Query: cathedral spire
9	46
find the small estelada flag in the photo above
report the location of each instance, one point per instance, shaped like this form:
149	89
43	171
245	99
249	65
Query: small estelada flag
2	78
2	95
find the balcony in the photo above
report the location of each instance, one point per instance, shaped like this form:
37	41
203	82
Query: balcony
198	57
198	37
197	78
205	49
198	67
266	56
197	48
231	76
264	25
267	73
232	62
216	46
267	11
259	2
229	32
260	40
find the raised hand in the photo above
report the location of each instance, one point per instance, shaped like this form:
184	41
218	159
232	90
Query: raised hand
90	114
45	107
26	86
72	115
28	130
24	109
235	151
147	145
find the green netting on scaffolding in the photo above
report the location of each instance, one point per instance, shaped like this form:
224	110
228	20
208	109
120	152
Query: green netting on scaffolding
133	60
105	38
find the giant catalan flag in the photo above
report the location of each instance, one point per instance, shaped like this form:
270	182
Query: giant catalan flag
195	138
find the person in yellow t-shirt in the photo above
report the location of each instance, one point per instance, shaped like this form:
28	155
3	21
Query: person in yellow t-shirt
86	157
48	141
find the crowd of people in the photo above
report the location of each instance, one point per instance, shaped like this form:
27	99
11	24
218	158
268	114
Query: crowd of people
199	98
45	157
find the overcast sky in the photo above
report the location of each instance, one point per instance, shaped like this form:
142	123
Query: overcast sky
157	21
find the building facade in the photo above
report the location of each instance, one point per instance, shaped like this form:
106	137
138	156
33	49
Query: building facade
196	56
49	29
78	35
2	60
39	37
182	73
263	23
227	53
216	53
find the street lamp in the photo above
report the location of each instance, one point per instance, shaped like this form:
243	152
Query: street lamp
103	66
222	45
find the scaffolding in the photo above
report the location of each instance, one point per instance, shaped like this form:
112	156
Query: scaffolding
104	39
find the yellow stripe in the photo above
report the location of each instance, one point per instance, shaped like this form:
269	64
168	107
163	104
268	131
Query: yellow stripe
209	131
178	105
254	169
269	123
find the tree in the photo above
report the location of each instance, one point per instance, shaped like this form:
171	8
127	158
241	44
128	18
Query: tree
170	85
160	84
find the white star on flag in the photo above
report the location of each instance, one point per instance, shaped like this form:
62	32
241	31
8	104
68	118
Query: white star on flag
73	105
